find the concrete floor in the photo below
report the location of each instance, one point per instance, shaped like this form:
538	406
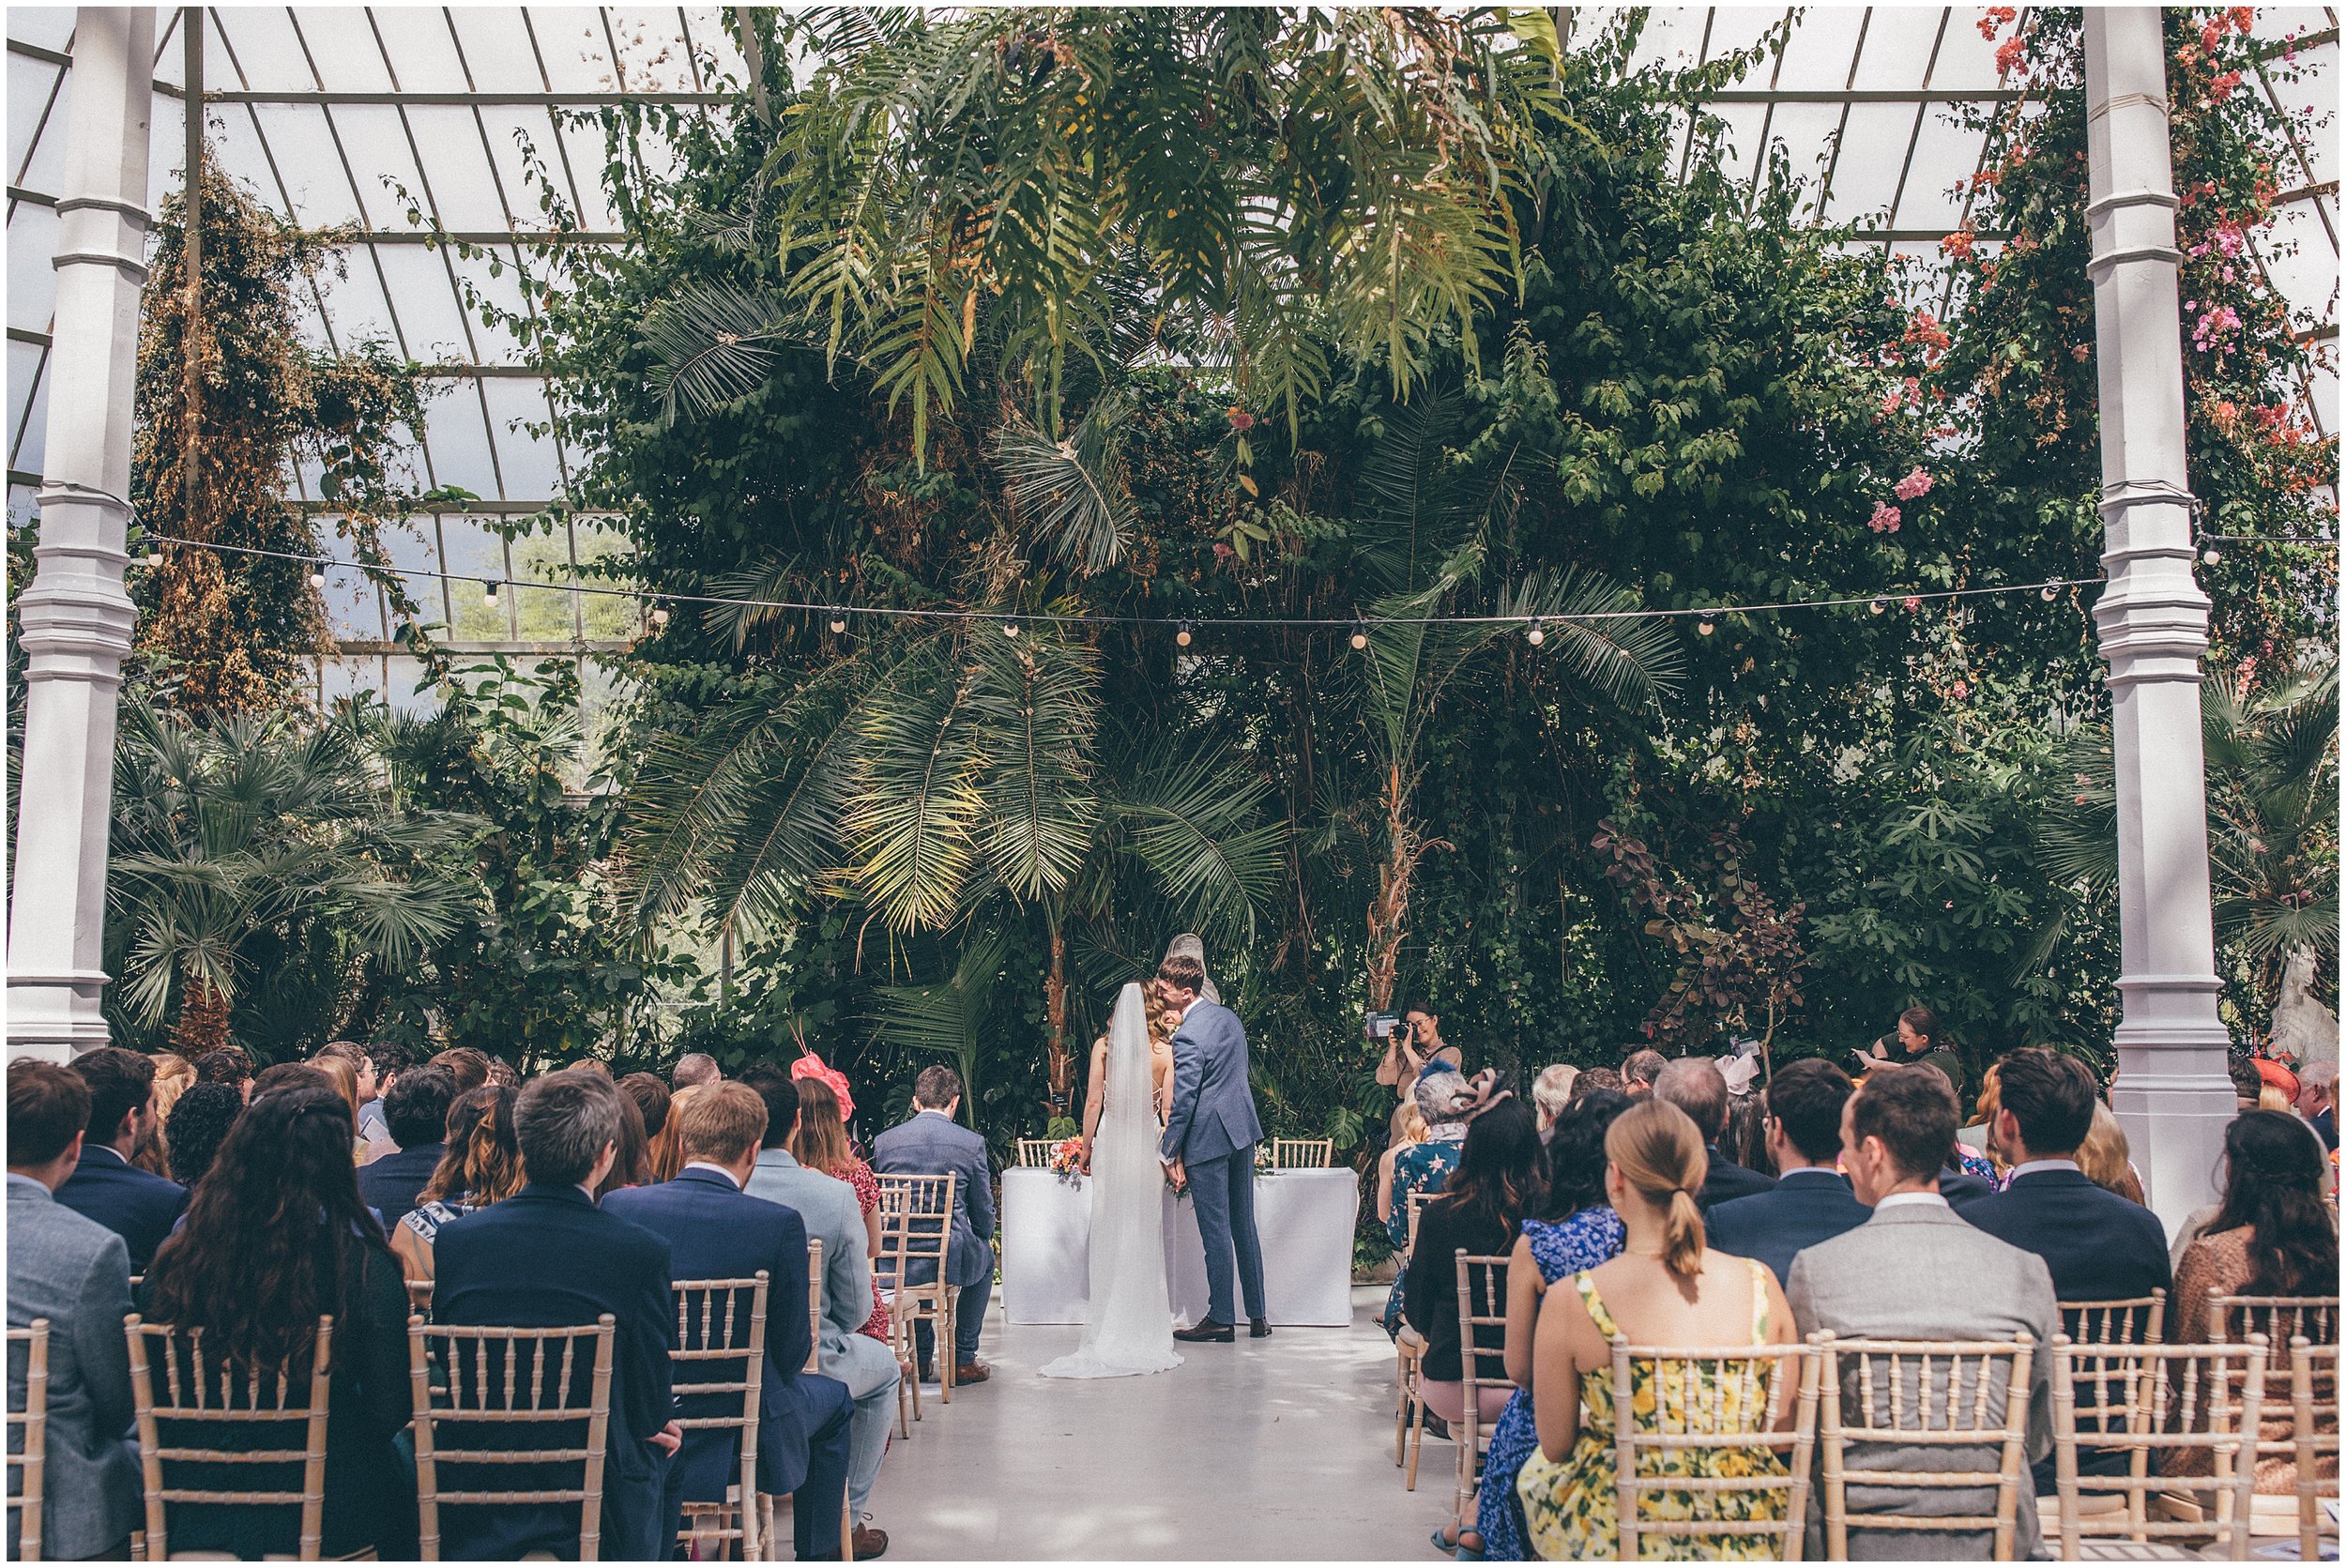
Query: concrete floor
1279	1448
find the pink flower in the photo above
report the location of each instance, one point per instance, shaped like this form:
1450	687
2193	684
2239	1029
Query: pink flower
1914	485
1960	690
1913	602
1885	520
1241	420
1222	552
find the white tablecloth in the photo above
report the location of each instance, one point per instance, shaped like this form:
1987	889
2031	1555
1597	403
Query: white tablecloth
1304	1217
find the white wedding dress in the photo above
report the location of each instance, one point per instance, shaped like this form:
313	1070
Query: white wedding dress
1128	1321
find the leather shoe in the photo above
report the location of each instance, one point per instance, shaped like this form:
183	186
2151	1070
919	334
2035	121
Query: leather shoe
1207	1331
971	1372
1259	1328
869	1542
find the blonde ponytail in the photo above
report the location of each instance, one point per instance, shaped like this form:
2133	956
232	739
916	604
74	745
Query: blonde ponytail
1659	1153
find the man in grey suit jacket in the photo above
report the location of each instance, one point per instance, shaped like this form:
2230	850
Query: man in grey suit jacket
932	1143
1210	1138
1916	1271
76	1273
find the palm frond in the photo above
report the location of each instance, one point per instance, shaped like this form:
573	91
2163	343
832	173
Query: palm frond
714	344
1035	702
1074	496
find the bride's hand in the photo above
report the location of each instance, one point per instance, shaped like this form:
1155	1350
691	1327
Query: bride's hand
1086	1167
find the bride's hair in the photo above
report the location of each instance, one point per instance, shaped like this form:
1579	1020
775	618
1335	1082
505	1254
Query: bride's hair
1659	1152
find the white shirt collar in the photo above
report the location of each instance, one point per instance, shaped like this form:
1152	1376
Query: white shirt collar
1902	1200
1811	1170
934	1110
105	1149
2027	1165
711	1165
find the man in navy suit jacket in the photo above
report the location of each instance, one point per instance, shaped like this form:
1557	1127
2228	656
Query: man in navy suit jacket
547	1257
136	1205
416	1113
1696	1086
932	1143
1210	1131
1811	1202
716	1231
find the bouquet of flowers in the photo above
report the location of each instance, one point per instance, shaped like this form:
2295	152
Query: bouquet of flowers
1264	1162
1067	1160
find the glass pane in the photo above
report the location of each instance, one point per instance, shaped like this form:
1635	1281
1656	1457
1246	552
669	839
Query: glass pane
422	52
1899	42
1866	174
404	687
570	41
263	53
32	281
432	330
474	553
32	437
23	379
459	441
354	611
449	141
609	618
302	146
30	81
525	460
343	49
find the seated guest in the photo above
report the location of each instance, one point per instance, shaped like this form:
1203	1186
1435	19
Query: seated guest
228	1065
1664	1287
1914	1270
1424	1167
480	1163
388	1061
2097	1246
667	1151
1598	1080
820	1144
174	1074
1640	1071
827	1208
1571	1230
1498	1179
716	1231
547	1257
1551	1091
198	1123
416	1113
344	1077
652	1103
275	1238
932	1143
135	1205
76	1273
2106	1159
470	1068
1811	1201
1411	1132
633	1166
1696	1086
694	1068
2317	1102
2272	1235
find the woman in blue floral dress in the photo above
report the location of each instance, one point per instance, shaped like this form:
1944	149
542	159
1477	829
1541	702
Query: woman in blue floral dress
1425	1167
1577	1231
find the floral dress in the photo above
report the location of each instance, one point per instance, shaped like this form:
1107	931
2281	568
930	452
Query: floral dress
1422	1167
858	1174
1566	1247
1573	1508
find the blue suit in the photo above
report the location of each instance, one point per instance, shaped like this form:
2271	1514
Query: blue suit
714	1230
136	1205
1212	1130
389	1185
2100	1247
547	1257
933	1144
1808	1205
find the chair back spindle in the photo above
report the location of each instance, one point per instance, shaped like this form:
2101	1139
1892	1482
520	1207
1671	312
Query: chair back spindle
2153	1403
28	1427
1738	1398
719	1370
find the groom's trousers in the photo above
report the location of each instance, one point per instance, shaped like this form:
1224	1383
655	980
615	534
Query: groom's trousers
1223	1192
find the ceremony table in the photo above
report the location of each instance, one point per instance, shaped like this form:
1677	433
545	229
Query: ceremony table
1304	1217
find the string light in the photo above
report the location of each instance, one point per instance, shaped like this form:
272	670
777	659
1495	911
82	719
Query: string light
1537	635
1009	629
659	613
317	573
154	554
1182	635
2212	555
489	592
1360	636
1704	625
1879	605
2050	593
838	622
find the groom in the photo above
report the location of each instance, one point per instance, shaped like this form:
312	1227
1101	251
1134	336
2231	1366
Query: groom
1209	1141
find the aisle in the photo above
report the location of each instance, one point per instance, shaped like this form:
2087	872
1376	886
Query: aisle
1278	1448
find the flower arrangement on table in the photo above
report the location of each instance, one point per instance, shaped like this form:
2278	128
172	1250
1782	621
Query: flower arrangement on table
1265	1160
1067	1160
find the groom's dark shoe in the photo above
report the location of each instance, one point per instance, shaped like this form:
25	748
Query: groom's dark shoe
1207	1331
1259	1328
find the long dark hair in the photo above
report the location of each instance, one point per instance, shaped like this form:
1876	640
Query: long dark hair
2272	1172
483	1162
1576	1154
1499	1175
266	1243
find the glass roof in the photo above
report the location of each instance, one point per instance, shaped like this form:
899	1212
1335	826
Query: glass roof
343	115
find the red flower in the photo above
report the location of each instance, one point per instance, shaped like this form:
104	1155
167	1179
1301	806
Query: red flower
1914	485
2008	55
1913	602
1958	244
1241	420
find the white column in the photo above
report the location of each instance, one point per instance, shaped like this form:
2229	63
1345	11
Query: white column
2172	1095
75	618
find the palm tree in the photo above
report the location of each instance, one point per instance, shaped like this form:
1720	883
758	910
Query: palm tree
255	826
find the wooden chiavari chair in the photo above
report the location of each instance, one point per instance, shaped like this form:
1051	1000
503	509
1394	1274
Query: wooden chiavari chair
2130	1320
202	1393
1035	1153
501	1378
28	1455
2313	1432
813	1364
2280	1321
1482	1305
895	1220
927	1217
1302	1154
2160	1400
1408	1419
720	1355
1746	1392
1949	1395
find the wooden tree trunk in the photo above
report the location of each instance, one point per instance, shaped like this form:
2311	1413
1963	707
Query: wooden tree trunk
1389	911
1060	1066
203	1022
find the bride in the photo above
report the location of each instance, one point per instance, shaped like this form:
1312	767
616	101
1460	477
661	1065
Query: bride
1128	1321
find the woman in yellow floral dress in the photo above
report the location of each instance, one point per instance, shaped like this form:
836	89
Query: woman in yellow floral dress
1664	1289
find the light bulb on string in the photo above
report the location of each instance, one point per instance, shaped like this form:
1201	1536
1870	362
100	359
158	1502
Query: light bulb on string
838	622
154	554
489	592
1360	635
658	614
2212	555
1009	629
1879	605
1181	636
1537	635
1705	625
317	575
2051	592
